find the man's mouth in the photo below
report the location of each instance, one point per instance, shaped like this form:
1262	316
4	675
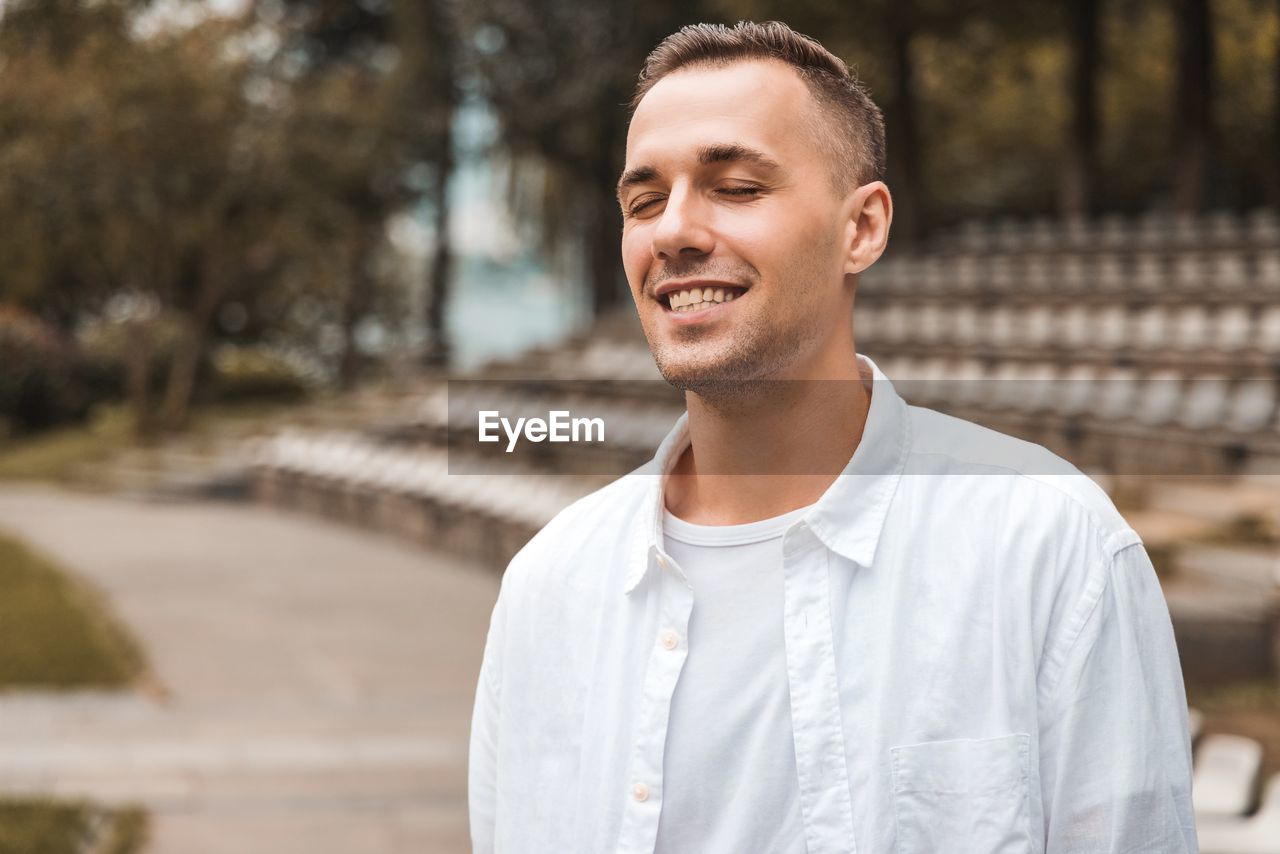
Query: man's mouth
697	298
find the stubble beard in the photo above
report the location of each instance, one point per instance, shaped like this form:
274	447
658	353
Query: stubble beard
738	370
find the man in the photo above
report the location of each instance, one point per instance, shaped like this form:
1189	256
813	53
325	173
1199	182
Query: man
820	620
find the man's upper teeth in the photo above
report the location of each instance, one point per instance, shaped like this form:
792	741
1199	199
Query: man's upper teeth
690	298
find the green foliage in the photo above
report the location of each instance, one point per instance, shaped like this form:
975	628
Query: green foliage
1003	134
106	342
1248	99
1136	151
257	160
54	632
243	374
42	826
991	84
129	832
43	382
196	167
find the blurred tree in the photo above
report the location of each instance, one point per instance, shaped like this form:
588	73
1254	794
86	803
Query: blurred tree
138	168
255	162
64	26
1274	198
163	177
1193	125
119	172
888	44
436	35
903	145
1079	174
559	76
408	48
1246	104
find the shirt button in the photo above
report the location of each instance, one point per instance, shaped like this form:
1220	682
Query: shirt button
640	792
670	640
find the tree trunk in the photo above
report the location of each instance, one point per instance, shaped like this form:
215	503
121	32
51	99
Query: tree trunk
1193	119
216	275
349	362
138	380
602	250
1079	177
182	373
602	244
439	347
903	136
355	304
441	38
1275	122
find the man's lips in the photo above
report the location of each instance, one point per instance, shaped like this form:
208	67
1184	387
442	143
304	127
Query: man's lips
688	317
662	292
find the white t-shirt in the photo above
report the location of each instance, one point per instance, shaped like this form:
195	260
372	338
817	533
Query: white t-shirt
736	649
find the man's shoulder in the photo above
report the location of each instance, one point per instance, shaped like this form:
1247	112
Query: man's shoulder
945	444
600	518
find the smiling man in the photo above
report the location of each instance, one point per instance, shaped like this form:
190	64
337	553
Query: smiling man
820	619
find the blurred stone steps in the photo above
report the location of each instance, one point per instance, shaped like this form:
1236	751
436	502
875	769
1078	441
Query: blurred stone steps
1225	631
1226	777
1160	528
218	472
1251	569
486	515
1218	500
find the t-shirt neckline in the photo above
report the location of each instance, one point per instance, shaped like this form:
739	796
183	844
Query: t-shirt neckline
729	535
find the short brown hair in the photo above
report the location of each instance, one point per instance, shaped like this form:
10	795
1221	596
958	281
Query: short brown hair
855	122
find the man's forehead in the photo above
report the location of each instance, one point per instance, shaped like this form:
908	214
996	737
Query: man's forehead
762	103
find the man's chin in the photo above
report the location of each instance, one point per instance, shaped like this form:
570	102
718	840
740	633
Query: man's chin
711	384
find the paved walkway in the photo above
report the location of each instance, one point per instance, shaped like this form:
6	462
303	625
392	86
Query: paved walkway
314	682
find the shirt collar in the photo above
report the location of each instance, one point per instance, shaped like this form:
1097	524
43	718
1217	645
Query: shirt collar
849	516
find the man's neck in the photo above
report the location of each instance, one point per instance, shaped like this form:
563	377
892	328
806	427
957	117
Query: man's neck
775	450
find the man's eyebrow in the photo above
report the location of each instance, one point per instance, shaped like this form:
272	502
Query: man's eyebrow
639	175
733	152
707	155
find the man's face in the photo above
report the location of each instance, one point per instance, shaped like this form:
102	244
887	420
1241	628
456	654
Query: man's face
726	182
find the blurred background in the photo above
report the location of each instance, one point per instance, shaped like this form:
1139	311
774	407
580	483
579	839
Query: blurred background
246	244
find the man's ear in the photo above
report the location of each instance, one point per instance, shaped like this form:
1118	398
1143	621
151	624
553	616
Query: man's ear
869	210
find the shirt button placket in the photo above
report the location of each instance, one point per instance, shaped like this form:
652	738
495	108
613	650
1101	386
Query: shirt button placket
640	820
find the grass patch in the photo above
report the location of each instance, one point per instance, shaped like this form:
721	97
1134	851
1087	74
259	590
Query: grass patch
54	632
34	826
244	417
59	455
67	455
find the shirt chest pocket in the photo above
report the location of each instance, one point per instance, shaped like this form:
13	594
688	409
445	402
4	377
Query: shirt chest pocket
963	796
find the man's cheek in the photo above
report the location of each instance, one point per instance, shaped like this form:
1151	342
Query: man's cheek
636	269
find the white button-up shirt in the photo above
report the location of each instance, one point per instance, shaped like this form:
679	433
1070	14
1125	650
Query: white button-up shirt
978	655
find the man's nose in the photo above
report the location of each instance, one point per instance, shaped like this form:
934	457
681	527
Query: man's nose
682	228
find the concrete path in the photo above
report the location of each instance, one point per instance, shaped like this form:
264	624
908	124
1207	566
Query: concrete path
314	682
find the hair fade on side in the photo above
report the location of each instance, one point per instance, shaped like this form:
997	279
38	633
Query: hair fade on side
856	124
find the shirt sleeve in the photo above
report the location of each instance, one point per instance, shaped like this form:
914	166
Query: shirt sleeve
1115	748
482	765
